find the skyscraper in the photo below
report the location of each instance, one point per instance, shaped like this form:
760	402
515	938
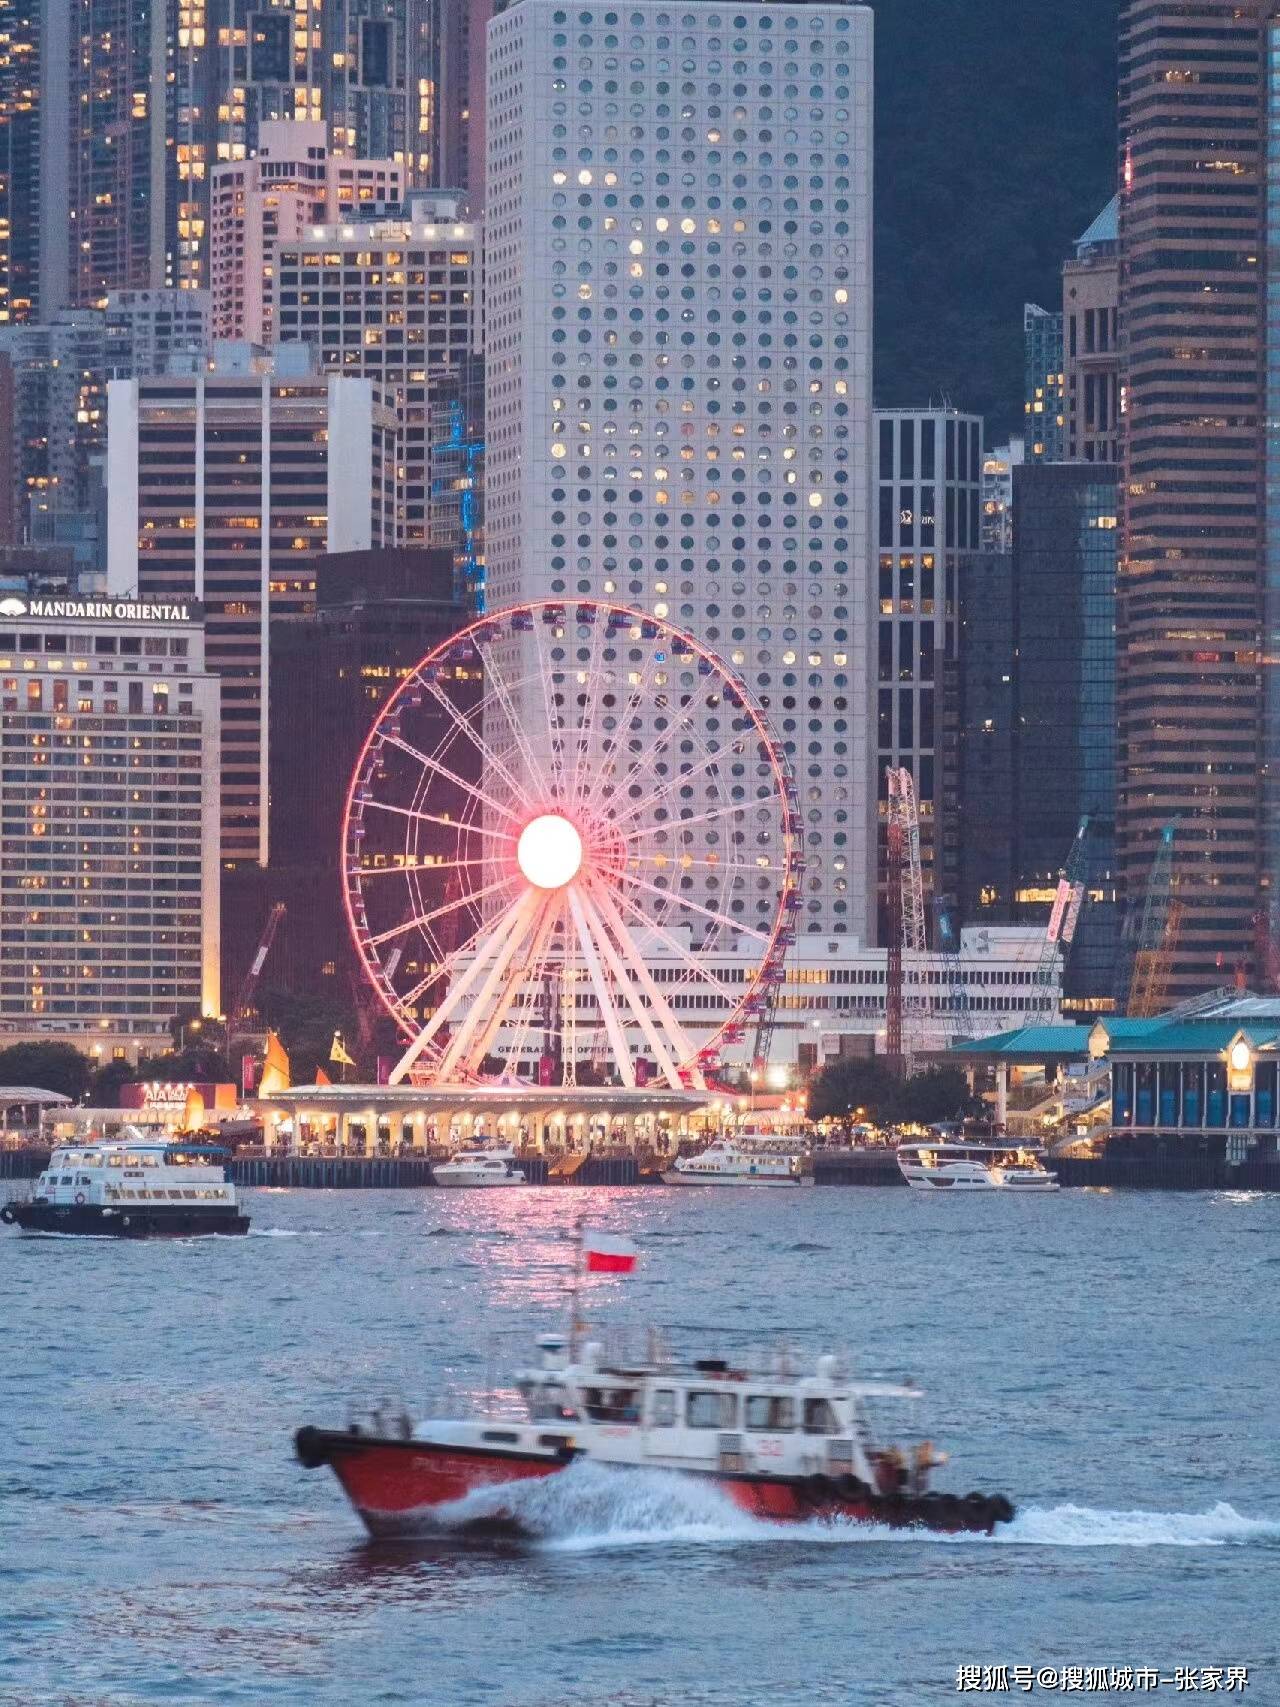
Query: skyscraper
395	300
109	917
1090	345
678	314
291	183
1043	400
223	486
929	522
1191	566
34	251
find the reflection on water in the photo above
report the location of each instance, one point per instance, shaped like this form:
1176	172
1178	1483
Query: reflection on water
162	1547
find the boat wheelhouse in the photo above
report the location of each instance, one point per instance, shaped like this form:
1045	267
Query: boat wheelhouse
131	1187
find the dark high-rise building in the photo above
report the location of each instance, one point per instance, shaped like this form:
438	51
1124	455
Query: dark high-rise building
1192	231
1036	714
459	76
1064	567
34	250
928	486
985	717
376	614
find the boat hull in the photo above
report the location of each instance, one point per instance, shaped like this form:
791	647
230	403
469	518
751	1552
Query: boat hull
140	1222
398	1487
672	1177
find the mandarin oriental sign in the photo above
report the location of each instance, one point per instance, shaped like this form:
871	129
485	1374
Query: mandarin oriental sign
96	610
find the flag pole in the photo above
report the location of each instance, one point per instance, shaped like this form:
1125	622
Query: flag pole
576	1323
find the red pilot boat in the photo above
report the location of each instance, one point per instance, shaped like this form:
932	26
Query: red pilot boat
780	1442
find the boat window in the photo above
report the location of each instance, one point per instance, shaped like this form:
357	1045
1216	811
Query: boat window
551	1403
613	1404
501	1436
68	1179
819	1418
770	1413
83	1179
664	1408
712	1410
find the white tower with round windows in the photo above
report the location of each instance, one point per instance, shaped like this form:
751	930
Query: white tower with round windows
678	338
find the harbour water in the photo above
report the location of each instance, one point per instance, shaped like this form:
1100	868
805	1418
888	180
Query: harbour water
1107	1359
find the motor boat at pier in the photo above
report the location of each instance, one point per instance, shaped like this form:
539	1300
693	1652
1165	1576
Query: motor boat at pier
131	1188
936	1165
484	1168
783	1442
744	1157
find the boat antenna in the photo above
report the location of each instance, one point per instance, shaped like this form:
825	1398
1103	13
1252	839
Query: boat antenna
576	1323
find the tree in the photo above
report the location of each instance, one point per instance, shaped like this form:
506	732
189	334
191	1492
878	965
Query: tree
857	1088
939	1093
46	1067
852	1084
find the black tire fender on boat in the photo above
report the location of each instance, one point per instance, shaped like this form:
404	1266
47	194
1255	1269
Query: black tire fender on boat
950	1508
7	1215
852	1488
819	1487
1000	1509
310	1449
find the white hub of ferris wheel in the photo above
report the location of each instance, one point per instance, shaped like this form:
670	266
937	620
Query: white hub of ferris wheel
550	796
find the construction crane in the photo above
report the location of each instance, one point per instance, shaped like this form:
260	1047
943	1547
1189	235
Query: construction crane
1064	915
903	1018
241	1014
947	938
1157	934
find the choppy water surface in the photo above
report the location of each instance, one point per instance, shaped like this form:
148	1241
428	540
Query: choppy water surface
1106	1360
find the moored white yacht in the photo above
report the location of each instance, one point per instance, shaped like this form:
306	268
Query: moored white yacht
929	1164
744	1157
131	1188
479	1167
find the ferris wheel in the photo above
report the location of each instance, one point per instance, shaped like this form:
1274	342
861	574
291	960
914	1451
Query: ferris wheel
570	838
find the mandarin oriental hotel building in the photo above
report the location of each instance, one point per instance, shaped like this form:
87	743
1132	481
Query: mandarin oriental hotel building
677	339
109	728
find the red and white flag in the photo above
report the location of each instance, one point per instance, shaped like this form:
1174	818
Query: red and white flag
607	1253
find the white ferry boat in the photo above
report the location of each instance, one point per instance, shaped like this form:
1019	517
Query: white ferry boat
479	1167
782	1442
934	1165
745	1157
131	1188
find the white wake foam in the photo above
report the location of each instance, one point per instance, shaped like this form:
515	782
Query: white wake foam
587	1507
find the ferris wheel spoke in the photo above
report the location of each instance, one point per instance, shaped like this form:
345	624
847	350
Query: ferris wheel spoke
453	906
489	758
684	902
731	809
433	764
501	693
697	967
422	870
606	774
678	781
686	862
504	937
604	999
466	1047
649	754
636	998
532	976
469	829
